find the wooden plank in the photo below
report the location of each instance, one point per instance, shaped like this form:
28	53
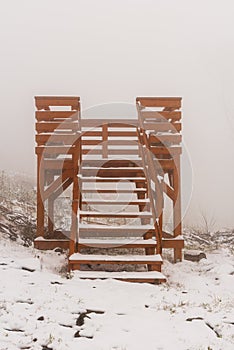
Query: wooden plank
115	231
111	179
169	191
112	172
53	126
88	133
64	139
64	186
162	115
163	126
56	150
43	102
158	150
174	102
165	164
93	151
115	202
123	142
176	243
58	164
118	123
115	259
171	139
56	184
114	163
52	115
99	190
109	214
139	277
50	244
120	243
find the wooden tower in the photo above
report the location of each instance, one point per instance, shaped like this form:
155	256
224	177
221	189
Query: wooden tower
119	172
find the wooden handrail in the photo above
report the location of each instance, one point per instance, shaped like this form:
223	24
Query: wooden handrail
151	174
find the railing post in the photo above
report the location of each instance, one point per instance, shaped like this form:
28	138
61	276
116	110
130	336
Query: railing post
104	141
40	191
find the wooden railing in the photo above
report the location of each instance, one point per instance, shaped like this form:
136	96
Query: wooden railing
57	136
155	194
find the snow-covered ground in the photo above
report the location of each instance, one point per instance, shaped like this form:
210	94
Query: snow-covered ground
40	307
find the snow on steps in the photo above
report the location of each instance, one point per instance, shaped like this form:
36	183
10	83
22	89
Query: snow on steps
115	259
143	214
112	243
153	261
148	277
92	230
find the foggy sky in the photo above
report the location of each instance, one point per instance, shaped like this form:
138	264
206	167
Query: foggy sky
112	51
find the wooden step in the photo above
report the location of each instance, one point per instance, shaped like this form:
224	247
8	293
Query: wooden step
79	258
131	242
101	214
106	190
117	243
90	230
144	277
115	202
177	242
106	163
50	244
112	172
111	179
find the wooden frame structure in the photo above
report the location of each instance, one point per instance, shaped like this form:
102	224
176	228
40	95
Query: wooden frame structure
100	153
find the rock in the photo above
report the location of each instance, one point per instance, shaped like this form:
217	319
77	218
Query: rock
194	255
58	250
77	335
28	269
41	318
190	319
99	312
81	318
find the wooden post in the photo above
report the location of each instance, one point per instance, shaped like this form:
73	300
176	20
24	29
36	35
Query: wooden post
75	203
50	179
104	140
177	227
40	202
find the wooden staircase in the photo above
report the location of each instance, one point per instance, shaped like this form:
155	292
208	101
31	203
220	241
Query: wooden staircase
117	171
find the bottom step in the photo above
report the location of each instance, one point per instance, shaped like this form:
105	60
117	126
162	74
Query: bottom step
78	258
144	277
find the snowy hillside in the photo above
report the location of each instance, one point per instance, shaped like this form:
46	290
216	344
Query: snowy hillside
42	309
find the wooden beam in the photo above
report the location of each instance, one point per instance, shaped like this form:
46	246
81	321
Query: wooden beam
56	184
56	150
164	139
174	102
113	123
161	115
44	102
64	139
163	126
42	127
40	189
169	191
52	115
